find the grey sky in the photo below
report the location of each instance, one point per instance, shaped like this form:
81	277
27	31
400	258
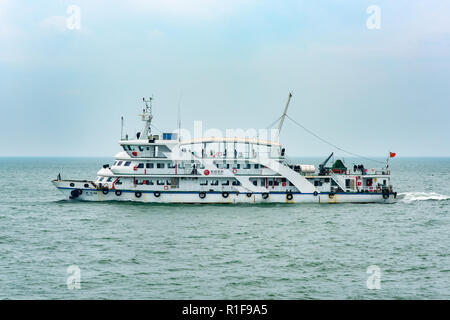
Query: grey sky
62	92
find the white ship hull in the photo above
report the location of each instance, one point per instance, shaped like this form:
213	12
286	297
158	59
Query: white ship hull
218	197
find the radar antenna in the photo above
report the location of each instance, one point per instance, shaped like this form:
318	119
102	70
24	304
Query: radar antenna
147	117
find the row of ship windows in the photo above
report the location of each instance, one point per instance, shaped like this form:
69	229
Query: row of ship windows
205	182
172	165
271	182
132	148
202	182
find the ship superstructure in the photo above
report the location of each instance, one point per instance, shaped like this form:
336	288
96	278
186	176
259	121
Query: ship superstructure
166	169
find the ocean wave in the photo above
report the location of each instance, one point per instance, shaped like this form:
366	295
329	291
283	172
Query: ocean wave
409	197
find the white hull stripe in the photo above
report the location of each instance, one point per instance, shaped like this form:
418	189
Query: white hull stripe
220	192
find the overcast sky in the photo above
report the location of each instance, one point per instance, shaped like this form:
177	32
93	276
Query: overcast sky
63	89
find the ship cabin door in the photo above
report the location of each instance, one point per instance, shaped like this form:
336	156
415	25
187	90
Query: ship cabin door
350	184
175	183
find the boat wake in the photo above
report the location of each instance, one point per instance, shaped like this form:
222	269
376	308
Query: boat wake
409	197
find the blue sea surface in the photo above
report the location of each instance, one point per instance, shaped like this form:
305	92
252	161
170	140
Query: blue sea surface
148	251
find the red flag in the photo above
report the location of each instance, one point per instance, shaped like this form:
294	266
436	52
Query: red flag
392	154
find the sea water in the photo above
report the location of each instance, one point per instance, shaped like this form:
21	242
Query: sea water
53	248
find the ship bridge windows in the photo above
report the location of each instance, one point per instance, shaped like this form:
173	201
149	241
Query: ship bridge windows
160	165
215	182
140	166
109	179
127	163
256	166
141	148
118	182
318	183
160	182
248	166
204	182
236	183
128	147
149	165
119	163
171	165
226	183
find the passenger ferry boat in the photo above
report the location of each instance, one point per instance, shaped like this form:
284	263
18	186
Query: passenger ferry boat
166	169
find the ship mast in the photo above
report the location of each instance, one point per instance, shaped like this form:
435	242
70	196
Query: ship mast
147	117
280	125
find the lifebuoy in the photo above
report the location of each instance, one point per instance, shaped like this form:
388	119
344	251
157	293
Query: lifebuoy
249	194
156	194
105	191
166	187
289	196
202	195
315	193
265	195
234	170
118	193
225	194
138	194
135	168
206	172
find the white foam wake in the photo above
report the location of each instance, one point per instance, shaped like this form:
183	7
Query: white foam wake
421	196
